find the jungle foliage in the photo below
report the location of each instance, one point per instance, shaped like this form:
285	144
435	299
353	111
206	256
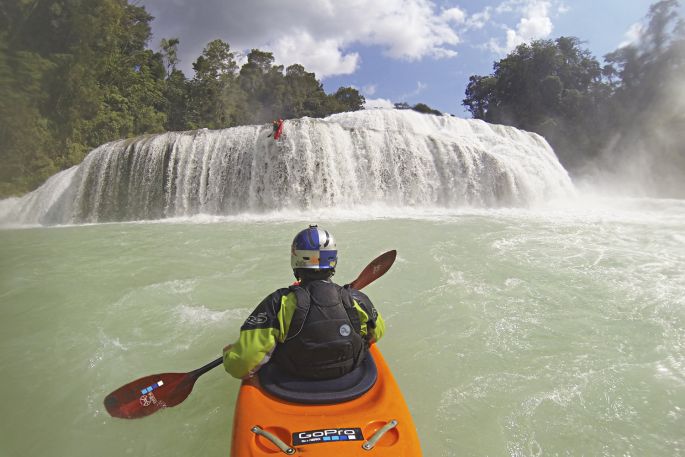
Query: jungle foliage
591	112
75	74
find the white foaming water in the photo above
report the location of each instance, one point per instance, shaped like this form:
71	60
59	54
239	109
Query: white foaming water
380	157
511	331
201	315
47	202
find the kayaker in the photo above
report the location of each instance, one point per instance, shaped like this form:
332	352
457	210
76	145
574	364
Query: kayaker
314	329
277	128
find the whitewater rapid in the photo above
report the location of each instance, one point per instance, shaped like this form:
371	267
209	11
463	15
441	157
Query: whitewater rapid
396	158
511	331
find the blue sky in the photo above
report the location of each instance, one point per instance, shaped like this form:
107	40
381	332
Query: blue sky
394	50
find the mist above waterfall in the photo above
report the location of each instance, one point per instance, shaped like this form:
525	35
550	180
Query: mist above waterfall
397	158
643	152
647	156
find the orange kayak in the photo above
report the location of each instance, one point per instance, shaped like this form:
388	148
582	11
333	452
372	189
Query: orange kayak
375	423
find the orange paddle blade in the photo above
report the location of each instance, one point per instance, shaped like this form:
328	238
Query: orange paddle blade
374	270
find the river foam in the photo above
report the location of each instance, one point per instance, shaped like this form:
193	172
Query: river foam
392	158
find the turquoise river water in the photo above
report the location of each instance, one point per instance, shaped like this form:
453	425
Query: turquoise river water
555	332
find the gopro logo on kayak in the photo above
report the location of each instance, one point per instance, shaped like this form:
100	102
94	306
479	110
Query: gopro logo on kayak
328	435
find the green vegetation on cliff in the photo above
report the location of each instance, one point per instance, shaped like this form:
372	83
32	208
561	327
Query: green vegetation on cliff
75	74
628	112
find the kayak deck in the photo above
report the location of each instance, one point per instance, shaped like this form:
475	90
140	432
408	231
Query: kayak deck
332	430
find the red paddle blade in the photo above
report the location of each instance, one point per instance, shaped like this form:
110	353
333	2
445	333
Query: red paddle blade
148	395
374	270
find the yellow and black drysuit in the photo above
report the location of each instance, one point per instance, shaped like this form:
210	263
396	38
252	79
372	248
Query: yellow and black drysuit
317	330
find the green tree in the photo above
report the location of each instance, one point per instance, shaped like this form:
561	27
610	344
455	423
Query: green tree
303	94
265	86
554	88
169	51
349	99
177	96
80	75
25	139
423	108
645	69
647	110
215	96
116	83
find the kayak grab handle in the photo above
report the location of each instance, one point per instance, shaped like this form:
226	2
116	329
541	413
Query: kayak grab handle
274	439
371	442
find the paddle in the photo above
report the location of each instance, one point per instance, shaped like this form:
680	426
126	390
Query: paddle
148	395
374	270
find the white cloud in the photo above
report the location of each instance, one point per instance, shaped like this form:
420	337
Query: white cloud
506	7
420	87
478	20
372	103
454	15
494	45
633	35
535	23
323	57
406	29
318	36
369	89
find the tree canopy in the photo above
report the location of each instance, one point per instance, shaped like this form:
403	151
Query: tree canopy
75	74
553	88
631	109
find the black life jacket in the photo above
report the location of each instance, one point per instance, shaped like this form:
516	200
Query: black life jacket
324	340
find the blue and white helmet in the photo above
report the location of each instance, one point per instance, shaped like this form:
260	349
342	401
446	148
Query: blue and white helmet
314	248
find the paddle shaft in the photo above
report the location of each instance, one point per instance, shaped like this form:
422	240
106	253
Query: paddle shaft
202	370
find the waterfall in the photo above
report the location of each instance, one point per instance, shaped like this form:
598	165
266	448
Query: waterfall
392	157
